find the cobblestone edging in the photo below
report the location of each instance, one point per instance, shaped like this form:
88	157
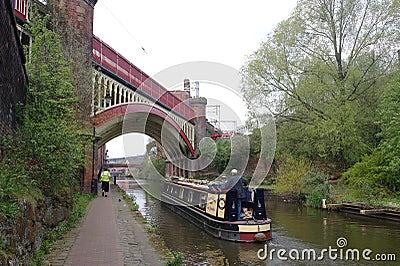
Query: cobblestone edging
133	238
62	247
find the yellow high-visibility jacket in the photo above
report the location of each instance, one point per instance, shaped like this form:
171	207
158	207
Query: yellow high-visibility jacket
105	177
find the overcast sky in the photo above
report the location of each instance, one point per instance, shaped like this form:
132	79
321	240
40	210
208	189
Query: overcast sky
155	35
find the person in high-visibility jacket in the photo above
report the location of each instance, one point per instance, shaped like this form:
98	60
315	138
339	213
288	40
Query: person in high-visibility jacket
105	182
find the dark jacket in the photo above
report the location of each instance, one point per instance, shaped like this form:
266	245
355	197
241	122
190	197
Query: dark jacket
240	184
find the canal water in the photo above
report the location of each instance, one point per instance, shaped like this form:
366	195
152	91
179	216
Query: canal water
297	234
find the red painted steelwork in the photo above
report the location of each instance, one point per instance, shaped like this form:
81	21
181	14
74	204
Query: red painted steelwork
216	136
250	237
21	8
107	57
122	110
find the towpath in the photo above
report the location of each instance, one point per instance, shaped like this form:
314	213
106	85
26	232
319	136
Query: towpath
108	235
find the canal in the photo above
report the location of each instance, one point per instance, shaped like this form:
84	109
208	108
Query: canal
298	233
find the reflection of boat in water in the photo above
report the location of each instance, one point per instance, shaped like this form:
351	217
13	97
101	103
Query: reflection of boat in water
216	210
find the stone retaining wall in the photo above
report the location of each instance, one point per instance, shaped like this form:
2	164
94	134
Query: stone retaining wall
22	236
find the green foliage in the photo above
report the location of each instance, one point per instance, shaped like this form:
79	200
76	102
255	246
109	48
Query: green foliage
177	259
378	175
233	153
9	209
45	154
132	199
12	184
81	200
390	124
152	168
297	176
15	182
316	187
159	164
290	174
153	229
255	143
368	178
207	149
222	155
321	80
49	137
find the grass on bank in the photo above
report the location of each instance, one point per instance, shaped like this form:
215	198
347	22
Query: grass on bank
342	193
339	192
309	181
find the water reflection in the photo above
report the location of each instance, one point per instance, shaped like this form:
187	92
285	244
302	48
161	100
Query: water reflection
321	229
294	227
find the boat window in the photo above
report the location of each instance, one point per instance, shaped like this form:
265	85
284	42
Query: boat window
190	196
181	193
203	201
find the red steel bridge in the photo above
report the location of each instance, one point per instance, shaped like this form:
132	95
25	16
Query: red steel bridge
127	100
130	92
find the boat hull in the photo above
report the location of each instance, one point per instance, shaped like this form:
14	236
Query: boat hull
239	231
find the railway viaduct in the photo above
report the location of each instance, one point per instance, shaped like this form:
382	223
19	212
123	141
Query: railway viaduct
116	96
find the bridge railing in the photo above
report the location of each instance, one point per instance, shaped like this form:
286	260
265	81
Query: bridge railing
107	57
20	8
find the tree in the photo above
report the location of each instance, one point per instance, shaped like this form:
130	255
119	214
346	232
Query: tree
377	175
320	72
389	111
222	156
290	174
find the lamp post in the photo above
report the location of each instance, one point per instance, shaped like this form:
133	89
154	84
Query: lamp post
94	183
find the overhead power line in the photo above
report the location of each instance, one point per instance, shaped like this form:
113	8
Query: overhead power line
123	26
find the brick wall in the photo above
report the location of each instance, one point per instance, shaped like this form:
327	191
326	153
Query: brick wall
75	23
13	80
80	14
199	107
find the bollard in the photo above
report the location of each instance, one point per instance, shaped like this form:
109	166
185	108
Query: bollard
323	203
93	187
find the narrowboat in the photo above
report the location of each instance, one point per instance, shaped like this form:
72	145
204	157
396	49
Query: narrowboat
215	209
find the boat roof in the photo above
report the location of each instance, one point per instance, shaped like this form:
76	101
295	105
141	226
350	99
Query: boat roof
195	183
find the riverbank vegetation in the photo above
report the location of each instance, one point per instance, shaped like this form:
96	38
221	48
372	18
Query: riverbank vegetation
46	154
42	161
329	77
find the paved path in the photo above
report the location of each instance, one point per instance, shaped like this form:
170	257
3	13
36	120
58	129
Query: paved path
109	235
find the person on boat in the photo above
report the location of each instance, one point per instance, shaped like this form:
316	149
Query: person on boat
105	182
218	184
240	184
